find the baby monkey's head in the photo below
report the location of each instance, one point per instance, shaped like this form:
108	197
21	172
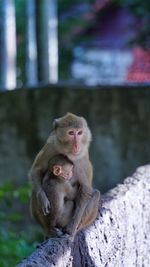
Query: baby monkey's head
61	166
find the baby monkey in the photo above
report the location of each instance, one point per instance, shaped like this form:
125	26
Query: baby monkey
60	193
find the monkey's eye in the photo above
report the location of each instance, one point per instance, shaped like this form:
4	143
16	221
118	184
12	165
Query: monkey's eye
71	132
80	132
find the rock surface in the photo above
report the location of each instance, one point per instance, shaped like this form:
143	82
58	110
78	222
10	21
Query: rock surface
120	236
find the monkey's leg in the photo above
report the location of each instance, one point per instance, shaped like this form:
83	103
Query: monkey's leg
66	214
91	211
47	222
49	225
84	196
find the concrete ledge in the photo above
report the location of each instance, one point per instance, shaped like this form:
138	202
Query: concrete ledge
120	236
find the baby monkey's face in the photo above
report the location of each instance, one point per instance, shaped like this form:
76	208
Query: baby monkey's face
65	171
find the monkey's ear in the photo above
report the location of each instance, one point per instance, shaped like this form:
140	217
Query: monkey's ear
55	124
57	170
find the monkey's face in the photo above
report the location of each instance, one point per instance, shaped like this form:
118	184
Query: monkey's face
67	172
75	137
64	172
72	134
71	139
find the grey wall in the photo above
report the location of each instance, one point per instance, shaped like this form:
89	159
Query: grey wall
119	119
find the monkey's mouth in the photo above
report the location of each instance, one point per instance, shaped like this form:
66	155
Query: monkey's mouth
76	150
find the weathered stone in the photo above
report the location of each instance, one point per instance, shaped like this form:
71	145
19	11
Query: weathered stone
120	236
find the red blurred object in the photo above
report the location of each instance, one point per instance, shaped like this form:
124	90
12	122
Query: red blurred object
139	71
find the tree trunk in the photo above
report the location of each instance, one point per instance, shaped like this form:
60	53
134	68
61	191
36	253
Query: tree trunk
120	236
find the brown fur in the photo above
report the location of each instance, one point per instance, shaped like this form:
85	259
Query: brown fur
61	195
86	201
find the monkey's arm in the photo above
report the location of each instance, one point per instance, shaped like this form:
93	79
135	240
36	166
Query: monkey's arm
36	174
84	175
36	180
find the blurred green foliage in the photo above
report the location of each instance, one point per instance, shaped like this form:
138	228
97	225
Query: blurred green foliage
141	11
15	243
75	18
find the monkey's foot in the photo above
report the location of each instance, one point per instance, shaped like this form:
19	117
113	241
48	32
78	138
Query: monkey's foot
70	229
69	237
59	232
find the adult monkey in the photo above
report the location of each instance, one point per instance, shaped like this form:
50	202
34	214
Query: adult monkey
70	136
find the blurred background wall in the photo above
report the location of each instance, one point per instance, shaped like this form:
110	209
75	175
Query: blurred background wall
118	118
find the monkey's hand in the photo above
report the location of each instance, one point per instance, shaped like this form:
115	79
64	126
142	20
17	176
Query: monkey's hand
58	231
43	202
70	229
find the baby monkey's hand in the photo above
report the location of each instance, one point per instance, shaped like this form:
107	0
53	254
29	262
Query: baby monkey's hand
43	202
